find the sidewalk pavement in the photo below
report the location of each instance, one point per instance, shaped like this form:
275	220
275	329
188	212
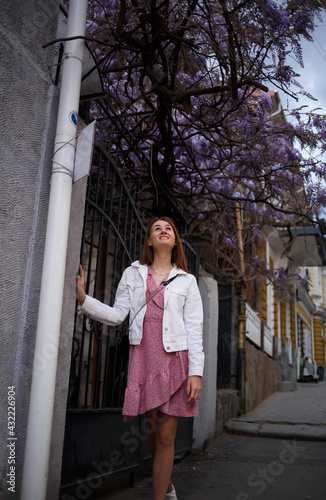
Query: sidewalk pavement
277	451
299	414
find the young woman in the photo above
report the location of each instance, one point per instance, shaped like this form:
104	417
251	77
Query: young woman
166	357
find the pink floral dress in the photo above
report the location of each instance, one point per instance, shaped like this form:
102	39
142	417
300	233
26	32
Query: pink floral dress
156	378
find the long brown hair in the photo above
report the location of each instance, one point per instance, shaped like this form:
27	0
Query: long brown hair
177	257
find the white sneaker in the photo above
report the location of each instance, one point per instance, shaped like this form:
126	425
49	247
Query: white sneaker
172	495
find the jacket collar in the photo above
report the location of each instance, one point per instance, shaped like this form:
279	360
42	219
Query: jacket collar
143	268
176	270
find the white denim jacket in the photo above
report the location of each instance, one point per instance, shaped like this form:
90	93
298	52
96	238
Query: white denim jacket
182	316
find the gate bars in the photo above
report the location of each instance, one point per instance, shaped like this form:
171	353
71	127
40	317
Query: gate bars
113	234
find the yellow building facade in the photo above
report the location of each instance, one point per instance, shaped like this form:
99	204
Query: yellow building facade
297	326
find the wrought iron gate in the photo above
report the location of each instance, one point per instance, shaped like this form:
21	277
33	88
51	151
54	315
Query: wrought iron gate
97	441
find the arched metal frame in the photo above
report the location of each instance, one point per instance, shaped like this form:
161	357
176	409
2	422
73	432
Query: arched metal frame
112	238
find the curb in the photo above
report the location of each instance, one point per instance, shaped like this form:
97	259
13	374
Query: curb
303	432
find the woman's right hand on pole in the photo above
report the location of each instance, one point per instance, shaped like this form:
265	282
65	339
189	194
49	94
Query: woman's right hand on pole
80	286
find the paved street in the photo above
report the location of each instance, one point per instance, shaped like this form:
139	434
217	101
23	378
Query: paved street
275	452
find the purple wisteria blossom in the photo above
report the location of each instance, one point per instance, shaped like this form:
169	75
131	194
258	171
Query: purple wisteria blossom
191	103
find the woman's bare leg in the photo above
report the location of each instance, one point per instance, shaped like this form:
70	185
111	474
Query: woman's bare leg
163	431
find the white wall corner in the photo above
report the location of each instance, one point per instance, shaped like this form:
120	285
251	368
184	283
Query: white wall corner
204	424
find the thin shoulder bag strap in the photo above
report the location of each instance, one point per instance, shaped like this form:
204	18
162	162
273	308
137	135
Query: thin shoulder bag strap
166	283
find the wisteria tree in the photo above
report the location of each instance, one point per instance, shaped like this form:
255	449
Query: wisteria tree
193	83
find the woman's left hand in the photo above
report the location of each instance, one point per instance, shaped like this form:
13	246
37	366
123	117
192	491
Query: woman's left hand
193	388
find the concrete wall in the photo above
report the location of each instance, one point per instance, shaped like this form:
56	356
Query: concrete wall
65	344
261	375
227	406
287	371
29	103
264	375
204	425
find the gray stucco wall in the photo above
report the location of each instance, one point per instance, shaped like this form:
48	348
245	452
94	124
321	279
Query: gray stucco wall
66	333
204	424
29	104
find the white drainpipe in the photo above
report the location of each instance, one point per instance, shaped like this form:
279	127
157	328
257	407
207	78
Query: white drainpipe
39	429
